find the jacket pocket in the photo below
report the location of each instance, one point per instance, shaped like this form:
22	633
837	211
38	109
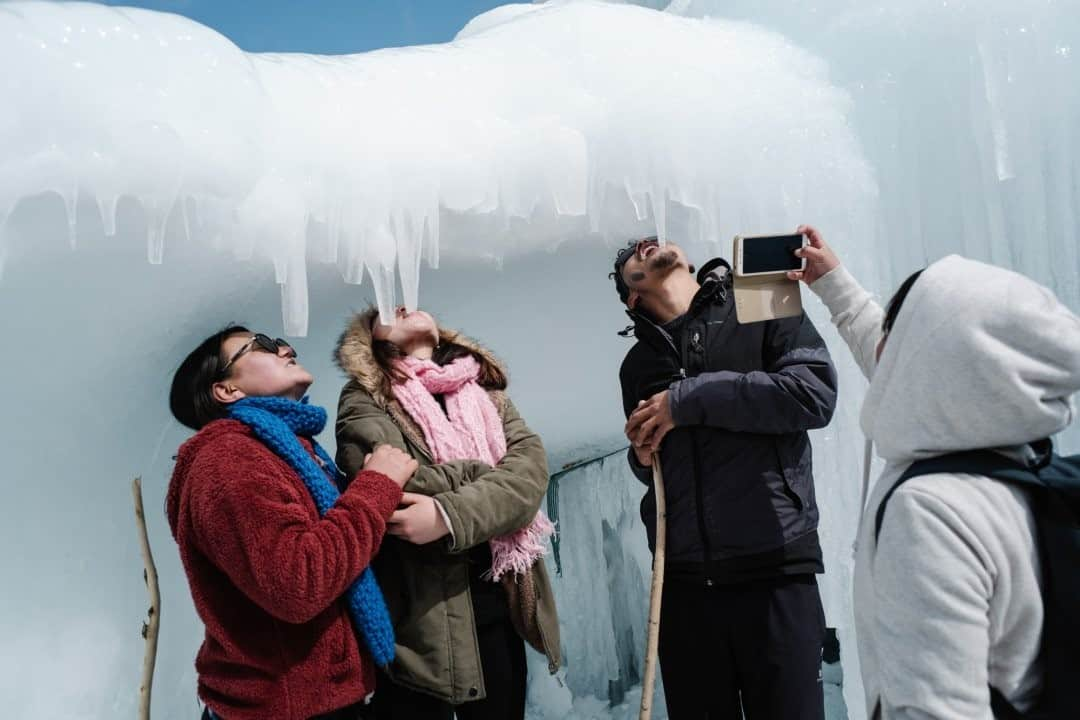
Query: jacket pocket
789	486
793	455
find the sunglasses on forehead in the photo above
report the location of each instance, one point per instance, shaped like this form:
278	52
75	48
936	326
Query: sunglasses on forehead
262	342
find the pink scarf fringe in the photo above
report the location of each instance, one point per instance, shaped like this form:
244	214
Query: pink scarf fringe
470	429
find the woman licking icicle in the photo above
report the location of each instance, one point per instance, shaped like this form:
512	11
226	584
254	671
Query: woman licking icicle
462	569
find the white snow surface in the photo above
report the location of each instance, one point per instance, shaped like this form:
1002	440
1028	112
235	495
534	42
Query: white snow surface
537	125
519	154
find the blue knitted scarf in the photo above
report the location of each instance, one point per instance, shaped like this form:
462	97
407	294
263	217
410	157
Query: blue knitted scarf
276	422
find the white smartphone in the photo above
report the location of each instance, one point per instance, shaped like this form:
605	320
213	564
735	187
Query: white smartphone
768	254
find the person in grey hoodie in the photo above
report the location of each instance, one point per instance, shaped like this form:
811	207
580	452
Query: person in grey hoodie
947	600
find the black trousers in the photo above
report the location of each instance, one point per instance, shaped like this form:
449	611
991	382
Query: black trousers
752	648
502	657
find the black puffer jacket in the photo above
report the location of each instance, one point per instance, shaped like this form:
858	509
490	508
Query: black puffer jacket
737	466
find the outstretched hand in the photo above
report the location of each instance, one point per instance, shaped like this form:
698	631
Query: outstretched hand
820	259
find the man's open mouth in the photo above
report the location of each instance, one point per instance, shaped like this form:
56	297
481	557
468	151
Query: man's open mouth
647	249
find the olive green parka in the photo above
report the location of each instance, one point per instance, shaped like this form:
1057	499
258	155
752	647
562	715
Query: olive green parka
427	586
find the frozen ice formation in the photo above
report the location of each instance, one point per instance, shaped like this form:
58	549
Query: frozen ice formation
537	125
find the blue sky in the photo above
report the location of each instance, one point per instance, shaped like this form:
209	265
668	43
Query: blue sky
326	26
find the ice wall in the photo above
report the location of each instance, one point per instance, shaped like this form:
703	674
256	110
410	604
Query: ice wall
969	113
601	578
238	170
602	591
537	125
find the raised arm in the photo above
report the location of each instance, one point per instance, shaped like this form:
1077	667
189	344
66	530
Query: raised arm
796	391
856	316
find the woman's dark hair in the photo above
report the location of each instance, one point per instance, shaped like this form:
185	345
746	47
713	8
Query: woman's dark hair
385	353
191	398
898	298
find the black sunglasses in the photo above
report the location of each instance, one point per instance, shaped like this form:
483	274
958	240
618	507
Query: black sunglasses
262	342
630	250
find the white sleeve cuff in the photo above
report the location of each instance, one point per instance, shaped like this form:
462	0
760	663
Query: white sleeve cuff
446	519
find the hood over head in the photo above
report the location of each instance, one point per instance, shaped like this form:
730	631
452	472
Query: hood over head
979	357
353	355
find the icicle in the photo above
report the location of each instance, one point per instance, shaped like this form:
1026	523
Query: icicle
382	278
659	212
353	272
409	242
431	237
189	210
71	205
281	270
992	80
639	200
157	220
294	296
107	208
351	256
3	246
333	234
380	256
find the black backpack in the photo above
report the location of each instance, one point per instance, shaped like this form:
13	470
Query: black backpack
1054	489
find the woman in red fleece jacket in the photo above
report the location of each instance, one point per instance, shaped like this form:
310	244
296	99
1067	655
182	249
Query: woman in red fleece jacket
267	573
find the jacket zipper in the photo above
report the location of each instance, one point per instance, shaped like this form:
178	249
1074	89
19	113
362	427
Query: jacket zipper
700	492
699	489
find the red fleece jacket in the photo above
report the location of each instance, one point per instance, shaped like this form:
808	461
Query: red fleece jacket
267	575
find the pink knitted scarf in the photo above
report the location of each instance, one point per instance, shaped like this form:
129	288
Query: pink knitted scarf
470	429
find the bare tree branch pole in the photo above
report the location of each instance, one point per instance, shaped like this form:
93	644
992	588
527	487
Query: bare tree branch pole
153	619
656	593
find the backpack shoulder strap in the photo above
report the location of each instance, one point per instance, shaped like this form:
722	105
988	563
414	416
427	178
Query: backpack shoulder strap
1056	505
971	462
1063	474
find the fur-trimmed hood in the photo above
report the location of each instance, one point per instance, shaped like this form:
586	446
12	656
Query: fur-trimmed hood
354	356
353	353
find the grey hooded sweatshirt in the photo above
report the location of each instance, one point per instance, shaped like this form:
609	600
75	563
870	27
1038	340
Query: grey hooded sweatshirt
948	600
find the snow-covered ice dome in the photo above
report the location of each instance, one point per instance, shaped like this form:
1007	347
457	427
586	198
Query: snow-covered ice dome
156	182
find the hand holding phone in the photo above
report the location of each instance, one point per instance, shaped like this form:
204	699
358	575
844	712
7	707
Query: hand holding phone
763	284
818	258
768	254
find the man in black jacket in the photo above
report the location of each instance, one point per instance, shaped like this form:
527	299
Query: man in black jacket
727	406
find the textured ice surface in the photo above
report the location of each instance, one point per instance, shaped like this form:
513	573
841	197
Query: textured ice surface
538	125
129	135
602	589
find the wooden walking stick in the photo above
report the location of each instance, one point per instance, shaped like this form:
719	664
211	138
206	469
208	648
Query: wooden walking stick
656	593
153	619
